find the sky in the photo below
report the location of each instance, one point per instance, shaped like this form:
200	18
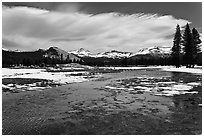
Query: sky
95	26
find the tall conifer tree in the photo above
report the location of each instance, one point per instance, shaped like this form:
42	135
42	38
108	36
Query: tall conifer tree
176	49
188	46
196	44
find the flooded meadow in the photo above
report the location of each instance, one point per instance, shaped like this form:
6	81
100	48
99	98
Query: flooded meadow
141	102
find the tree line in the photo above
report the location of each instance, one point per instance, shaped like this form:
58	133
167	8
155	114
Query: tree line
186	48
35	58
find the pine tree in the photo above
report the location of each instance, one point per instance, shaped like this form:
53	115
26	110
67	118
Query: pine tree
61	58
74	60
67	59
176	49
53	61
196	44
188	47
124	61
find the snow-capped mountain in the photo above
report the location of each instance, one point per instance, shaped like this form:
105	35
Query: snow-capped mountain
11	50
55	52
17	50
110	54
114	54
81	52
154	51
5	49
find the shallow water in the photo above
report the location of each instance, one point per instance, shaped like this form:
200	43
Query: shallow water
118	103
175	96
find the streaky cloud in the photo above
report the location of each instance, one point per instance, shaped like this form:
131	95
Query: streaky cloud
38	28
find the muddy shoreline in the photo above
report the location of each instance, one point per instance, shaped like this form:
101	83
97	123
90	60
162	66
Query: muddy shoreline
89	108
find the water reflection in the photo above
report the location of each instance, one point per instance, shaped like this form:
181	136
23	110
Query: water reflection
187	111
187	102
184	77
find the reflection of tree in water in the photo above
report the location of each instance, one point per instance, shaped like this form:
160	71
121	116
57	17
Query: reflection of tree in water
187	114
186	103
184	77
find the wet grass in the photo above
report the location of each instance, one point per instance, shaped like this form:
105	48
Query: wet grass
21	81
122	123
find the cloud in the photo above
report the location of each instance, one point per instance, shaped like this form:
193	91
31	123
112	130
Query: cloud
33	28
68	7
10	43
67	39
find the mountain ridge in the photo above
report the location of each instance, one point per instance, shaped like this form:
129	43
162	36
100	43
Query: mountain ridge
54	55
55	52
121	54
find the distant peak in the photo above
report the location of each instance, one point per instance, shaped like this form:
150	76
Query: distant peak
53	47
82	49
16	50
155	50
114	50
41	49
5	49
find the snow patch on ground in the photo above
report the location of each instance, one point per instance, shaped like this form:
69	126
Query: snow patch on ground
196	70
6	72
35	88
58	78
110	87
168	82
157	86
142	88
181	87
194	84
130	68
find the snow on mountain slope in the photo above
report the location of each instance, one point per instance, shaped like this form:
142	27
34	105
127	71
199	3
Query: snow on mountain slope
11	50
154	51
114	54
55	52
5	49
111	54
81	52
119	54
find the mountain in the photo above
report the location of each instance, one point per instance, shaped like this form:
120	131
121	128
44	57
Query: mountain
11	50
3	49
57	53
114	54
152	51
152	56
110	54
52	52
155	51
27	58
81	52
52	55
